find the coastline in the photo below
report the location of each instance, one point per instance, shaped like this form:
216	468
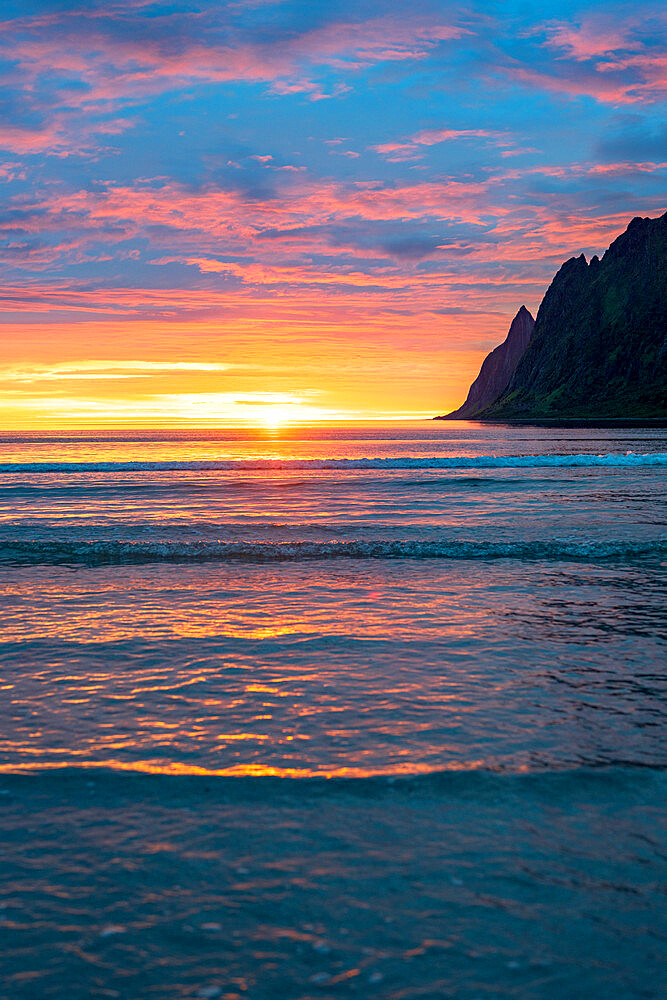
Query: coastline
650	422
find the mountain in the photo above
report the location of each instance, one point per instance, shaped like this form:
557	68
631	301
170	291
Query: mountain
497	368
599	346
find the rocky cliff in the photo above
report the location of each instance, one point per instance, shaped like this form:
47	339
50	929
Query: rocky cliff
599	346
497	368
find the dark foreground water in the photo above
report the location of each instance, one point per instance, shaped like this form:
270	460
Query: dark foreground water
376	712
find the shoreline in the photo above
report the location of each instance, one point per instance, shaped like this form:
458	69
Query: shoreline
564	421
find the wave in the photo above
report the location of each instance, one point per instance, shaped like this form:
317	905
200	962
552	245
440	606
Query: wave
611	460
475	782
96	553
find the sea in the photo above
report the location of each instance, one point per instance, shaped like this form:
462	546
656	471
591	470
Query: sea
342	710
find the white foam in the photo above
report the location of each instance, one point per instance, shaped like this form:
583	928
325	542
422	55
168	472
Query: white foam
610	460
34	551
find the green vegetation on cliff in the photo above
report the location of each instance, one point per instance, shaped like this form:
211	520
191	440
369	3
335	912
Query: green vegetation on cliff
599	346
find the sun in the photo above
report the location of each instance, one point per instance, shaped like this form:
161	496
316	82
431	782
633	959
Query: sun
274	415
273	420
276	412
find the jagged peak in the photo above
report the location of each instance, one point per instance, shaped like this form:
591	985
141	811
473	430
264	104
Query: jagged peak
522	317
635	230
497	367
573	264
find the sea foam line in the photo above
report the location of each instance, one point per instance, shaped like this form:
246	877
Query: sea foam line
610	460
32	551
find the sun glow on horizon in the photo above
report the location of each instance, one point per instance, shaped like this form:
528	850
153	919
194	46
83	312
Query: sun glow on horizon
273	417
163	393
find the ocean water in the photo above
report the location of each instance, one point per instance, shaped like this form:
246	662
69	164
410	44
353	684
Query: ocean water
317	712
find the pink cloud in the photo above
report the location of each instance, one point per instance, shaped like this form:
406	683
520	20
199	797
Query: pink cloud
433	136
590	39
406	149
604	86
31	140
652	70
210	224
63	135
122	67
12	171
300	292
231	216
613	63
626	167
589	169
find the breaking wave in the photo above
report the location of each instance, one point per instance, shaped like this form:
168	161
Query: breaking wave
611	460
32	551
189	784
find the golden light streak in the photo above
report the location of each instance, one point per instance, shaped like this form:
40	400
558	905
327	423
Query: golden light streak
101	370
404	769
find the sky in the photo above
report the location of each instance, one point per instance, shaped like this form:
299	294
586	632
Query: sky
267	210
